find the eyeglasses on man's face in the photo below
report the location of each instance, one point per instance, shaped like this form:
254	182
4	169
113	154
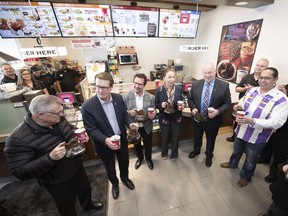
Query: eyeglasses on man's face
103	88
60	113
265	78
139	84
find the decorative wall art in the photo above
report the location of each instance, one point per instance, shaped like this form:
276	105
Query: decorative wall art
237	48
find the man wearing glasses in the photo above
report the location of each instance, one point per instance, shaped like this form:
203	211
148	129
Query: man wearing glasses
266	109
136	100
105	115
35	149
247	82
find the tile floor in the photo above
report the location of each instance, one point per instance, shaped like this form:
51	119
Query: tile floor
187	187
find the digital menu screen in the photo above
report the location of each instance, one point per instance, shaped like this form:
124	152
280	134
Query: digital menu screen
178	23
135	21
21	20
83	20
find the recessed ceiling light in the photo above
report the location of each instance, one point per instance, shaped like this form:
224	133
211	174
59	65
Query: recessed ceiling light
241	3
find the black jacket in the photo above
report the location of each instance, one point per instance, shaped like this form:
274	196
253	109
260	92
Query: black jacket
27	152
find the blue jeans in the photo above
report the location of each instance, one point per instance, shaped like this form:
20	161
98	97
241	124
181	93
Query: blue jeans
252	152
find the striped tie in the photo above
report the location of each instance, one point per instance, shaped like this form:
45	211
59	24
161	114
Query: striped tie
206	102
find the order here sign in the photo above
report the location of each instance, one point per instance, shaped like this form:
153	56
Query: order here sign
39	52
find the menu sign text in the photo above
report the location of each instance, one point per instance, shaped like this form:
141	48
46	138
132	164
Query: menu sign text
135	21
19	19
178	23
84	20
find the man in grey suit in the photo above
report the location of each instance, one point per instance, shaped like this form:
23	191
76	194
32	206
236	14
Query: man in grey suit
138	99
218	101
105	115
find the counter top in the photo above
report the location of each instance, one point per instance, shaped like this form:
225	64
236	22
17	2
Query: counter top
8	95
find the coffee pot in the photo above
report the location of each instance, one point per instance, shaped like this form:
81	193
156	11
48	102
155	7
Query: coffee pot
140	116
75	148
133	135
169	109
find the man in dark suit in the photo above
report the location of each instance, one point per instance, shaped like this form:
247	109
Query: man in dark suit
204	93
105	115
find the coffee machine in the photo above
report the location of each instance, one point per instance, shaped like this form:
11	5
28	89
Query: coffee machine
158	72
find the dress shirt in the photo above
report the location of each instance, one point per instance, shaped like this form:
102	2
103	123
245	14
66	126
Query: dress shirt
269	111
110	113
139	101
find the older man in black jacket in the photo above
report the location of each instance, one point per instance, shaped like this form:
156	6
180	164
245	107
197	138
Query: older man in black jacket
35	150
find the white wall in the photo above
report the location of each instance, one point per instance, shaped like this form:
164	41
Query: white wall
272	43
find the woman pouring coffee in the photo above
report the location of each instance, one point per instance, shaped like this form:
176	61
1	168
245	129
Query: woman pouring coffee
170	115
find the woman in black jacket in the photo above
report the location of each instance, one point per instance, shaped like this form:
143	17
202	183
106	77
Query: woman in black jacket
170	116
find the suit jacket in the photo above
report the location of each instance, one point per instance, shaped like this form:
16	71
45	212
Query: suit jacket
148	101
220	98
97	124
161	96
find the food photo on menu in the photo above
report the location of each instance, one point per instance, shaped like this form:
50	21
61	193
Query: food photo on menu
19	19
178	23
83	19
135	21
237	48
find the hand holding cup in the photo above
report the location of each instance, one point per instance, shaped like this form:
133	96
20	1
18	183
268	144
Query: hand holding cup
116	142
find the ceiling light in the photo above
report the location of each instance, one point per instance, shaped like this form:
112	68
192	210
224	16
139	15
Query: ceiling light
241	3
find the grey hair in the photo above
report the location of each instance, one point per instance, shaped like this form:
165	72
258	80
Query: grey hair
41	103
264	59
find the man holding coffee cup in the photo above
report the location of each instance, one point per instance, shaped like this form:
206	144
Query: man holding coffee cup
105	115
211	98
139	99
266	109
35	149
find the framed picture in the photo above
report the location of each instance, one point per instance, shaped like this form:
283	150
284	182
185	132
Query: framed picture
237	48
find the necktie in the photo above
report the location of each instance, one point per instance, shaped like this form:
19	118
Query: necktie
206	102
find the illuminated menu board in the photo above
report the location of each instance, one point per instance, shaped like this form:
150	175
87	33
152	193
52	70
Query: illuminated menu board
135	21
20	20
178	23
83	20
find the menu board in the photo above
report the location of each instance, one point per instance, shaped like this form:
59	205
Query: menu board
135	21
178	23
83	20
21	20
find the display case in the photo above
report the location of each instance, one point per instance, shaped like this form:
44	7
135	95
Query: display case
113	63
87	89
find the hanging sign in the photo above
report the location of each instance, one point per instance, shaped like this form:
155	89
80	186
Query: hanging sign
40	52
194	48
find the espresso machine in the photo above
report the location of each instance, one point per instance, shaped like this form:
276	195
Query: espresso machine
158	72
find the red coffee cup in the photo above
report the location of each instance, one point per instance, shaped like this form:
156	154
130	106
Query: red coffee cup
116	139
157	83
150	112
81	135
240	114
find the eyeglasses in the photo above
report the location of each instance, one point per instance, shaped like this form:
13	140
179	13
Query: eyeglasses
56	113
265	78
26	74
139	84
104	88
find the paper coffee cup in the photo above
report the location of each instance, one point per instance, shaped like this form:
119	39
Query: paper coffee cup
81	135
211	109
157	81
180	104
116	140
150	111
240	114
